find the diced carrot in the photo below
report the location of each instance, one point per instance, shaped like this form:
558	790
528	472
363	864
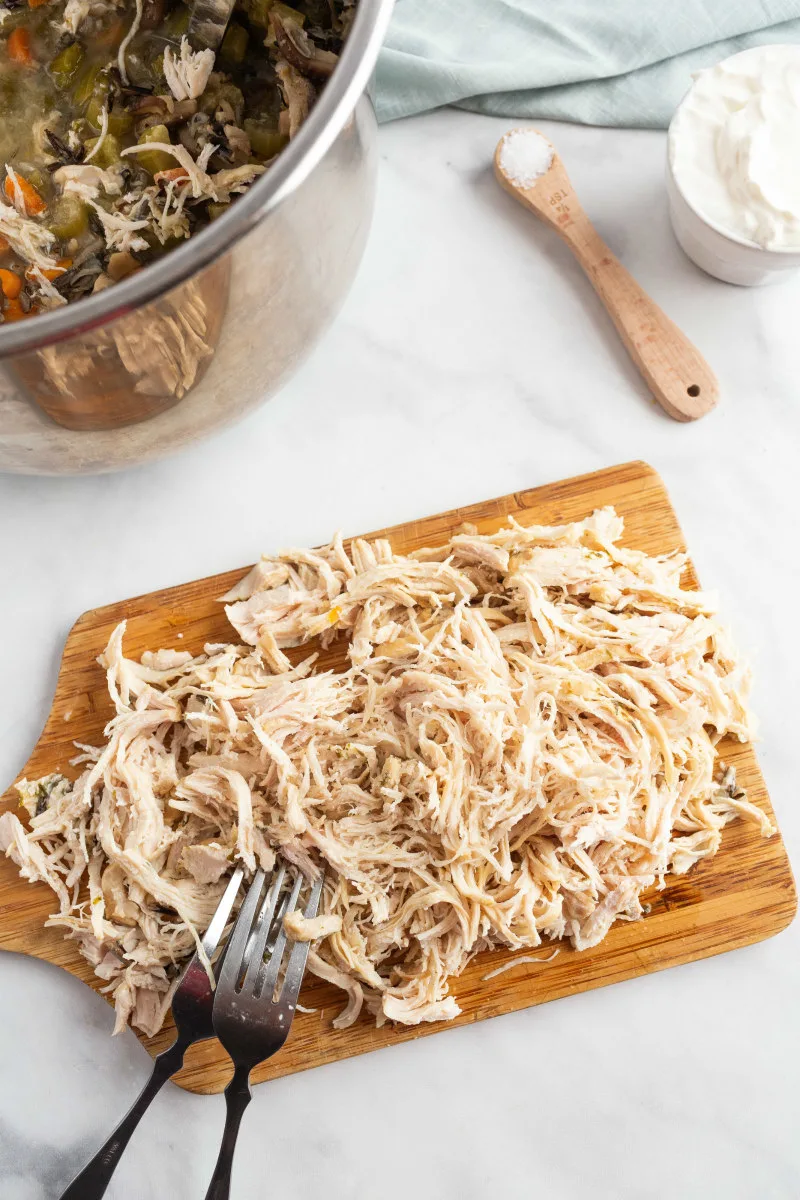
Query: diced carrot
5	244
19	47
14	311
50	273
10	283
33	203
37	3
173	175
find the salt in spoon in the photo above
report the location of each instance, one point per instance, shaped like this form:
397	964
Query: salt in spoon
527	166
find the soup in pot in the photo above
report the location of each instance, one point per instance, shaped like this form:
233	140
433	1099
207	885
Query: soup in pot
118	140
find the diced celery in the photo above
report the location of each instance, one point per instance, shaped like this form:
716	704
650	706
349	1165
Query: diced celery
220	89
109	152
95	108
234	44
88	79
119	122
65	65
265	141
155	160
70	217
37	178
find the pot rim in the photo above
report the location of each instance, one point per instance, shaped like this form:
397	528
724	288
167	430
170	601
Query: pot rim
293	165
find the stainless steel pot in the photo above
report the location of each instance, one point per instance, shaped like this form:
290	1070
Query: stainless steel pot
216	326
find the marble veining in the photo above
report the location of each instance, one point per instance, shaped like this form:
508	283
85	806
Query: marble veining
470	359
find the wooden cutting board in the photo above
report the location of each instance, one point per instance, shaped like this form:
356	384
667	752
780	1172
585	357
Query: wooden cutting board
743	895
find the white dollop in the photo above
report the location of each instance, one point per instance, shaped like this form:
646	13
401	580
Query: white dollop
734	146
524	156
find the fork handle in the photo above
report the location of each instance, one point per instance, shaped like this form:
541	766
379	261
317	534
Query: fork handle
93	1180
237	1098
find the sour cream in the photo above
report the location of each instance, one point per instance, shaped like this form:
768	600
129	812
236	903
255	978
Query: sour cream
734	146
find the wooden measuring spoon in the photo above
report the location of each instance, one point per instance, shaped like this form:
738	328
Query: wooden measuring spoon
674	370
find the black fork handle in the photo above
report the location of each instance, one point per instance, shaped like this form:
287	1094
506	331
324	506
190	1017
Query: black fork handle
93	1180
237	1098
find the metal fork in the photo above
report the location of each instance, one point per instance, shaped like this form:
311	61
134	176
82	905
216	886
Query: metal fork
192	1007
253	1006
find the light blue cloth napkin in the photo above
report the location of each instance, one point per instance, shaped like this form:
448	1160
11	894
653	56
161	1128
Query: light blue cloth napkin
601	62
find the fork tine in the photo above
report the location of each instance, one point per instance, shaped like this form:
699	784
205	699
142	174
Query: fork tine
216	929
264	912
237	943
295	968
266	919
266	985
277	922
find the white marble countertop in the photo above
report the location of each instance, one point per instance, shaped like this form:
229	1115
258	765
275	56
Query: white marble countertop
471	359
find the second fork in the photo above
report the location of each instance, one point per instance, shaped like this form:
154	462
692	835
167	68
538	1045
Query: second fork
254	1006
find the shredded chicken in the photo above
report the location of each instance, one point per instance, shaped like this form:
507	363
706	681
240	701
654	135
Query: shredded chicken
121	232
89	181
17	194
49	296
311	929
522	743
28	237
218	186
187	74
519	961
232	180
75	13
206	863
238	143
126	41
298	95
97	147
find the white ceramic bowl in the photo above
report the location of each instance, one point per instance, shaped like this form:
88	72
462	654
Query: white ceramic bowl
721	254
716	250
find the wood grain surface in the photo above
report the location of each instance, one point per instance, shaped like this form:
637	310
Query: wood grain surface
743	895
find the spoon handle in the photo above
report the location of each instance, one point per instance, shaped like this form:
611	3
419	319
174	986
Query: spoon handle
674	370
